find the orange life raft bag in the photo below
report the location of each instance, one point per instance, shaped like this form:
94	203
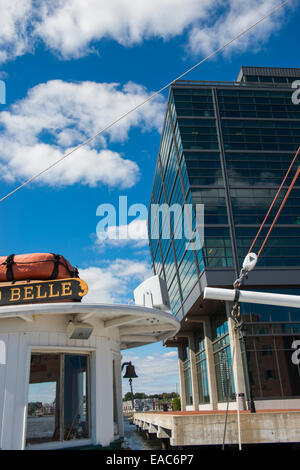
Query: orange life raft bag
39	266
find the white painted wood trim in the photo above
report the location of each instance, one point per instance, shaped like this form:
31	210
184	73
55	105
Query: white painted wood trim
138	339
103	316
61	349
116	322
144	329
60	444
26	394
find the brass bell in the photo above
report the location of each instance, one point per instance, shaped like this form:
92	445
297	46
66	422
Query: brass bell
130	372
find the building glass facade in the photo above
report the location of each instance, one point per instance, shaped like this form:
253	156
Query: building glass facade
201	365
228	146
271	333
187	376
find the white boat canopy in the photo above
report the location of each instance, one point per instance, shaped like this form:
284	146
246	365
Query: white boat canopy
137	325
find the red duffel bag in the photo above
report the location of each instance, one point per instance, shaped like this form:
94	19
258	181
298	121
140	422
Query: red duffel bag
39	266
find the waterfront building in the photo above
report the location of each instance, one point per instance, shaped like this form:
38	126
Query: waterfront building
228	145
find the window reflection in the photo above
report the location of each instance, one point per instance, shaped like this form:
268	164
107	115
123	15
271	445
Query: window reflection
272	372
43	402
188	381
58	398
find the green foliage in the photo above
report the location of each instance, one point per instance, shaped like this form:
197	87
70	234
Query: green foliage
160	396
34	406
127	396
176	404
140	395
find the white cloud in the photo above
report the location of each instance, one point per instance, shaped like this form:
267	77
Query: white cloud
171	354
56	116
135	233
14	22
115	281
231	18
70	28
156	373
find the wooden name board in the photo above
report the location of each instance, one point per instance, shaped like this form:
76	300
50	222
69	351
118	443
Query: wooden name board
30	292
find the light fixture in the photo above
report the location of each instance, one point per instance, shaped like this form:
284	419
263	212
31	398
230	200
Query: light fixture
79	330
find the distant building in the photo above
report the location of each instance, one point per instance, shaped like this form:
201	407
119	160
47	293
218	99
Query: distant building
127	407
228	145
48	408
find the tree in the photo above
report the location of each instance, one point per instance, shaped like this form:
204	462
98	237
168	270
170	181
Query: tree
161	396
176	404
34	406
127	396
140	395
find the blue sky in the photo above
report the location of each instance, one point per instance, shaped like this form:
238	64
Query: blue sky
70	67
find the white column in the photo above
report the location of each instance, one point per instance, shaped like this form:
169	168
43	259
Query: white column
14	392
118	378
211	373
103	398
194	375
181	378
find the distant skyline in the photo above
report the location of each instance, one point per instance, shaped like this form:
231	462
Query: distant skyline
42	392
72	67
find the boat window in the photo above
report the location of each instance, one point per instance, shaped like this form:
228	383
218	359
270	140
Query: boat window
58	398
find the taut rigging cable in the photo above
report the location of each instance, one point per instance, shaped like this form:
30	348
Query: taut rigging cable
272	204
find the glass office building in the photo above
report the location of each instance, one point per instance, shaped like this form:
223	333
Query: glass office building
228	145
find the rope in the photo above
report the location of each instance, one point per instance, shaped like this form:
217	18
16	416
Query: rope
274	200
235	315
279	210
267	15
235	334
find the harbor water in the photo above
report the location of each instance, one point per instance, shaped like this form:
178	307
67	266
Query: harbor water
137	440
41	428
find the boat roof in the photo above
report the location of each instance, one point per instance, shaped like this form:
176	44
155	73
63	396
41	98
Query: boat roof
137	325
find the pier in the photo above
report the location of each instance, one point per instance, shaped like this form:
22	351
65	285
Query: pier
202	428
